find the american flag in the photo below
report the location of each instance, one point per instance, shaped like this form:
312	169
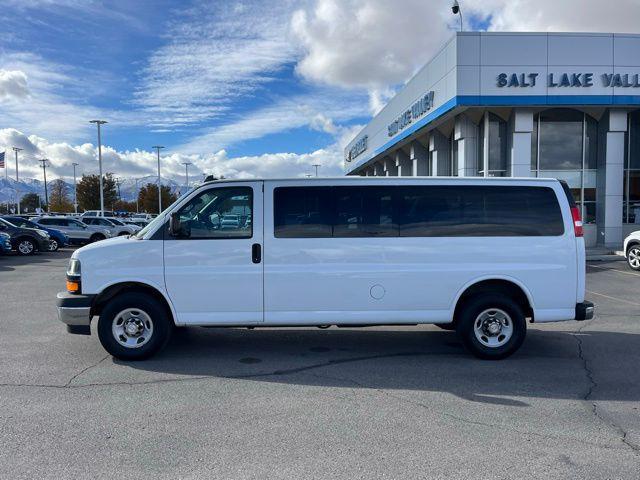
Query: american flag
2	160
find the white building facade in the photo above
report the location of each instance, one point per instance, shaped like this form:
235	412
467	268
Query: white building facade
561	105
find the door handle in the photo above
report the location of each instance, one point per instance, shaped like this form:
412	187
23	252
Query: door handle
256	253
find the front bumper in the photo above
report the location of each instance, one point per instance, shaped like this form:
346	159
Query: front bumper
75	312
584	311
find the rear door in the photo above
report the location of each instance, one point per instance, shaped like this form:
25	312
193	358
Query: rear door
213	268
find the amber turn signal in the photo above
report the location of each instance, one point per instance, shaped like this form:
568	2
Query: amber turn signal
73	287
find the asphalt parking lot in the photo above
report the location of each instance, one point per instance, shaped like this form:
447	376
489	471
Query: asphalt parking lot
307	403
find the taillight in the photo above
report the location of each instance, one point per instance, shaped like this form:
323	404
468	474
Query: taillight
577	221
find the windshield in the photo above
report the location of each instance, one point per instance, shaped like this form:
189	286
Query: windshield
117	222
9	224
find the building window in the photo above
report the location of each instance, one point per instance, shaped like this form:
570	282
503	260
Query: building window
631	203
564	146
494	163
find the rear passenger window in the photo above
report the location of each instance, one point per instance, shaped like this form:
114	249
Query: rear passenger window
303	212
479	211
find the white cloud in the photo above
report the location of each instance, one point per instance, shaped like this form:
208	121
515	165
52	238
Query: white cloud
216	53
368	43
319	111
140	163
620	16
13	84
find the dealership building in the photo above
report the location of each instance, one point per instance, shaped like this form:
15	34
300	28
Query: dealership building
561	105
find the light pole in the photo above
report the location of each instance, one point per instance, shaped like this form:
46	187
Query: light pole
16	150
137	195
44	171
158	147
98	123
455	8
75	188
316	165
186	169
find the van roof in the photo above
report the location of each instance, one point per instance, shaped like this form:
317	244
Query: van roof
380	179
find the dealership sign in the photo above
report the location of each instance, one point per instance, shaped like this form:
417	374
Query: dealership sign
358	147
619	80
407	117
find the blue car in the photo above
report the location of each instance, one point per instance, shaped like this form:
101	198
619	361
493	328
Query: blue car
57	240
5	243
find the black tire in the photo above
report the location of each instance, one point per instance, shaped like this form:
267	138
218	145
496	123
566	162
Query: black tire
633	257
53	245
492	306
96	237
25	246
140	304
446	326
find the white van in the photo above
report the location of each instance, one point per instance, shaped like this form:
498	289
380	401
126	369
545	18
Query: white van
480	256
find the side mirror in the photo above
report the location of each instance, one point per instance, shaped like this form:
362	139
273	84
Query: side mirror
175	225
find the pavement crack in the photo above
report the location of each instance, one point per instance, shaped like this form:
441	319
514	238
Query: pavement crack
622	433
86	369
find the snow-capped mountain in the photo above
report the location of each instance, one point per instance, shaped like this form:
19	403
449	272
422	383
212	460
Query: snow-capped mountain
9	186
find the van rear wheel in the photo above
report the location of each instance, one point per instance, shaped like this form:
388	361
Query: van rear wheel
133	326
491	326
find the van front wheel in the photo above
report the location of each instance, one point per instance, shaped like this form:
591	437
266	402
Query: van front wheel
133	326
491	326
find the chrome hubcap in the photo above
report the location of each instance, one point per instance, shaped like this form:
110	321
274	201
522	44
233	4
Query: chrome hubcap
53	245
493	327
132	328
25	247
634	257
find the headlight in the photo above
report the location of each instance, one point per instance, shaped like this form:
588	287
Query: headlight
42	233
74	267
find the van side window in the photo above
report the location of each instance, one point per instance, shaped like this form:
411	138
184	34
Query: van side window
224	212
364	212
303	212
479	211
416	211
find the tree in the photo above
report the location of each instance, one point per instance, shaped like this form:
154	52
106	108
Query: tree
59	197
88	192
124	206
30	202
148	197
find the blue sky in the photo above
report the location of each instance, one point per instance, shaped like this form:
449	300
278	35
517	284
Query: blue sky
237	87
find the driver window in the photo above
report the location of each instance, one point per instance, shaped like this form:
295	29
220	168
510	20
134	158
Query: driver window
218	213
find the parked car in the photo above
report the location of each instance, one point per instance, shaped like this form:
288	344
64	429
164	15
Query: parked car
5	243
25	241
57	240
77	231
480	256
143	216
115	226
97	213
631	250
137	222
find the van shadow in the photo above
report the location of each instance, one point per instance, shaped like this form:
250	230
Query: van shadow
415	358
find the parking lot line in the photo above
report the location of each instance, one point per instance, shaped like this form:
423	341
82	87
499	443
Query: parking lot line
614	298
613	270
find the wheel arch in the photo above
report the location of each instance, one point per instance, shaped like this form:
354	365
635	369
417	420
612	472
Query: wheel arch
115	289
505	285
631	243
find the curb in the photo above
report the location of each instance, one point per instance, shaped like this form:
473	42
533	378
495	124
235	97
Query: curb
612	257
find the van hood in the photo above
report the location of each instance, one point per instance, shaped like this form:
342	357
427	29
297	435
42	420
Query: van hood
102	247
